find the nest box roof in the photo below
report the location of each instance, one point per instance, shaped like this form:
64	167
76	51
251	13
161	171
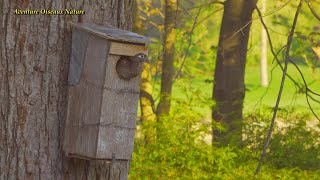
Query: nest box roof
112	33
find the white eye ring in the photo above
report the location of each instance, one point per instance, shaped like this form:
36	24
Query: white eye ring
141	56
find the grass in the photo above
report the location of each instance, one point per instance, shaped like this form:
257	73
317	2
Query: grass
256	96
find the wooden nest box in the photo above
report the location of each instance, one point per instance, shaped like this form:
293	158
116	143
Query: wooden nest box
102	108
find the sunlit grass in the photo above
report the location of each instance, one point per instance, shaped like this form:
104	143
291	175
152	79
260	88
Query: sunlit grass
256	96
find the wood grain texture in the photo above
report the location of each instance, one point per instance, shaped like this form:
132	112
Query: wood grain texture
78	50
126	49
115	140
112	33
102	108
84	100
118	113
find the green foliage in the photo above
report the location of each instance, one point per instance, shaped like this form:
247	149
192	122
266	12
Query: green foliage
279	20
181	150
295	140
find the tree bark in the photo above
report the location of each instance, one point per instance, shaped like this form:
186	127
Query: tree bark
168	58
34	63
229	87
146	100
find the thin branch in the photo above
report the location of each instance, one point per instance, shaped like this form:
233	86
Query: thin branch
275	55
307	96
307	90
176	17
295	65
280	33
189	45
267	14
207	4
265	93
278	62
313	11
303	79
185	9
315	100
209	15
275	110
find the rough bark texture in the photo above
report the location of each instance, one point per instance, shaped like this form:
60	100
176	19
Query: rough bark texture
229	87
34	60
168	57
146	99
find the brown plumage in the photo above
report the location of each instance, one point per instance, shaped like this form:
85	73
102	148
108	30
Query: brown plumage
130	67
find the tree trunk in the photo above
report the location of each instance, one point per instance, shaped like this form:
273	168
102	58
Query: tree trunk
146	99
263	51
34	62
229	87
168	57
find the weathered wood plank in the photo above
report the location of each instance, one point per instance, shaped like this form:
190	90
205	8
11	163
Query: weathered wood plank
102	108
112	33
80	140
78	50
113	81
126	49
119	109
118	113
84	101
95	61
115	140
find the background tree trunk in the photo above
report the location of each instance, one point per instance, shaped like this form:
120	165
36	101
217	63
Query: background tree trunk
263	52
168	57
229	87
146	100
34	64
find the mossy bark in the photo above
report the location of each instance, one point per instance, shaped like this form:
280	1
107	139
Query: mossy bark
168	58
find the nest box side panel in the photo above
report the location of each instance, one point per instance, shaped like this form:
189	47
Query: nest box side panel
118	113
81	141
115	141
84	101
78	50
121	97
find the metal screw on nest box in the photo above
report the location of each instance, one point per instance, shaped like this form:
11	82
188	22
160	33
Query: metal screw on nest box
130	67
